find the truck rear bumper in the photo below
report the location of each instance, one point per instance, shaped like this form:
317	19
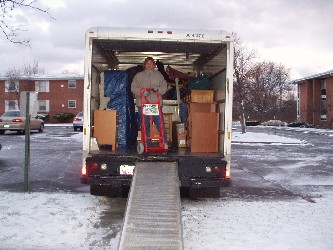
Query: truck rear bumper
126	181
194	170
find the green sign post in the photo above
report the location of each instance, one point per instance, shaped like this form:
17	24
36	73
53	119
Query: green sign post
27	144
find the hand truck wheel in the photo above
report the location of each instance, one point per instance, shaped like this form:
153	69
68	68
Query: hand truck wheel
140	148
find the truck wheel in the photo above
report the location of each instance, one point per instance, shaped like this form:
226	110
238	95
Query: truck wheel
204	192
107	191
140	148
95	190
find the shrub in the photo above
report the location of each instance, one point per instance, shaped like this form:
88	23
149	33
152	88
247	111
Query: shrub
63	117
44	117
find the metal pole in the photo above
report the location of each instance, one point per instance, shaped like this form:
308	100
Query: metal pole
243	124
27	144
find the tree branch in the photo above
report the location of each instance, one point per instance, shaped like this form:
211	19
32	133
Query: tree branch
10	31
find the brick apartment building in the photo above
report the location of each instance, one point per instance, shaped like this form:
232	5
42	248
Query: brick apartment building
62	93
315	99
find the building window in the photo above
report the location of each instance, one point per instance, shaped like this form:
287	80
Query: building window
42	86
12	86
72	84
71	104
43	106
323	88
11	105
323	107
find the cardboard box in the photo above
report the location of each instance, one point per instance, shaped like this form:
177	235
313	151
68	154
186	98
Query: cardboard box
205	96
181	135
105	127
168	126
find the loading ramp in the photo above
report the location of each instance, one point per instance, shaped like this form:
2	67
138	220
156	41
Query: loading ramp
153	212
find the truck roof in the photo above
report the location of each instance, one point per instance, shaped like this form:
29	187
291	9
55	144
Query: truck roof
122	48
165	34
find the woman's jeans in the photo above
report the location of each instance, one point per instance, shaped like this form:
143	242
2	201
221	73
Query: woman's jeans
156	120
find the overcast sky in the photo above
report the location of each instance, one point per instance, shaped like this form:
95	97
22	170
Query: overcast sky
297	33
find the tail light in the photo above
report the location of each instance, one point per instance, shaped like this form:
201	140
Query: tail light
227	173
94	166
17	120
84	170
217	170
77	119
0	120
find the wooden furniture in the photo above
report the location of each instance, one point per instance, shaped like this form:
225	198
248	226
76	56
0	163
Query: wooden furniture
198	107
204	132
105	127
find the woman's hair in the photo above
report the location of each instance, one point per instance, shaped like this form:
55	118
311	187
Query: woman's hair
149	58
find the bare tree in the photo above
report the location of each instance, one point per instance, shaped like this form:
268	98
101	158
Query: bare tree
260	87
243	67
268	85
10	30
14	75
32	68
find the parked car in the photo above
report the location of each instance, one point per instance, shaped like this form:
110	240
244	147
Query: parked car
274	123
78	122
12	121
252	123
300	124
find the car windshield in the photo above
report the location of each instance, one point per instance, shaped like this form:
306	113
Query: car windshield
80	114
11	113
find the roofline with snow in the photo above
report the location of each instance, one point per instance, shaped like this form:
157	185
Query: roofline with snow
47	77
320	75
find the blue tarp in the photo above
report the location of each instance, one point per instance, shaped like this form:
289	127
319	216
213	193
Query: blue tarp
117	87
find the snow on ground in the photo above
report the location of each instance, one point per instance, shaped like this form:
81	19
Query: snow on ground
73	221
239	224
233	223
250	137
52	221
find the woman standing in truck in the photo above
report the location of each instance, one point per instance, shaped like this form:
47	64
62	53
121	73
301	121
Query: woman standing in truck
150	78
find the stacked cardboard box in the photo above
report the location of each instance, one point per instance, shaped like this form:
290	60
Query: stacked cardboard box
168	126
201	96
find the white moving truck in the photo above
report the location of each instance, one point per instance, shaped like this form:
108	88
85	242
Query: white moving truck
107	168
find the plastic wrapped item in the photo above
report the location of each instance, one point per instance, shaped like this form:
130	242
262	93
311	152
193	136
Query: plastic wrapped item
117	87
173	73
200	83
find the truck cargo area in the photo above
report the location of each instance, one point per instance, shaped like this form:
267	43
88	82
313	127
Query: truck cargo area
197	64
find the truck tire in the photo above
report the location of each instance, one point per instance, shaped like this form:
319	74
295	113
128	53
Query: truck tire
109	191
95	190
204	192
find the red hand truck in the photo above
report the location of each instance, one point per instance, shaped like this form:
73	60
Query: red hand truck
151	109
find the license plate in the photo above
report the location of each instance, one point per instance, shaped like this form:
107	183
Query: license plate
126	169
6	126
